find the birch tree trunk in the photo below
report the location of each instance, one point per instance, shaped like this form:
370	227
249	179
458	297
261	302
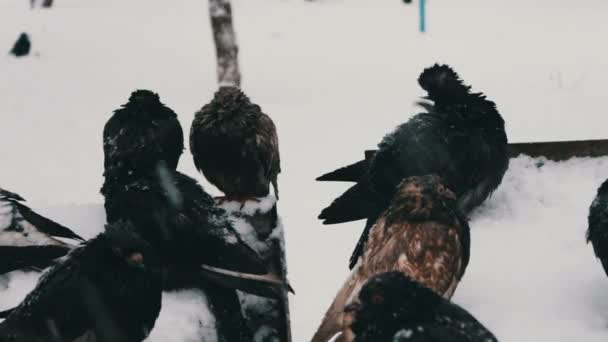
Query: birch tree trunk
225	43
258	223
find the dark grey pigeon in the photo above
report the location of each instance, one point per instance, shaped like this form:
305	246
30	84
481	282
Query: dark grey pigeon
460	137
393	308
597	232
108	289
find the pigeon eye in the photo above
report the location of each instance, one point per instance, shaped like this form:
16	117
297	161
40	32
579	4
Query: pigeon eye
377	299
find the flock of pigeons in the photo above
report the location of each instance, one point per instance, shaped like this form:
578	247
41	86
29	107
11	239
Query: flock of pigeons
415	192
165	232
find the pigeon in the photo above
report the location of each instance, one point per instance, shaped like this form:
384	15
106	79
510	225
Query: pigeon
28	240
183	223
393	307
597	232
460	137
141	133
108	288
197	244
421	234
235	145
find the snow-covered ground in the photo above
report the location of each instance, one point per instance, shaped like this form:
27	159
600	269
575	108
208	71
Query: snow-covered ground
335	75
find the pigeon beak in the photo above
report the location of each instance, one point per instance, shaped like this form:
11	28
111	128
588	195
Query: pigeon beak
136	259
265	285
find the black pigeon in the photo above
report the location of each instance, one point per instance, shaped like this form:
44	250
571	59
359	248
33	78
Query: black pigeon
460	137
141	185
199	246
22	46
393	308
28	240
109	288
235	145
181	221
141	133
597	233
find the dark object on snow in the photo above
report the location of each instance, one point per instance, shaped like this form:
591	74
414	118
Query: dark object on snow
28	240
22	46
142	133
392	307
407	1
21	215
235	145
420	234
45	3
460	137
109	288
597	232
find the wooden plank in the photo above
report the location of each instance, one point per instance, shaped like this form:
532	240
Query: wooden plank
560	150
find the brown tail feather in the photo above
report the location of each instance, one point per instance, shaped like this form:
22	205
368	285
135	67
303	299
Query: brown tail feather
332	322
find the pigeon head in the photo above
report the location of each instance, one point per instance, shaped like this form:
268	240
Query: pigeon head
146	104
445	88
140	134
229	102
392	298
421	197
442	83
144	97
397	291
128	246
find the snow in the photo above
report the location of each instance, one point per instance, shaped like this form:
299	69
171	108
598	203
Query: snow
531	270
254	223
241	213
335	76
251	207
189	319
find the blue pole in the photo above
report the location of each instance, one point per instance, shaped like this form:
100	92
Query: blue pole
422	16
